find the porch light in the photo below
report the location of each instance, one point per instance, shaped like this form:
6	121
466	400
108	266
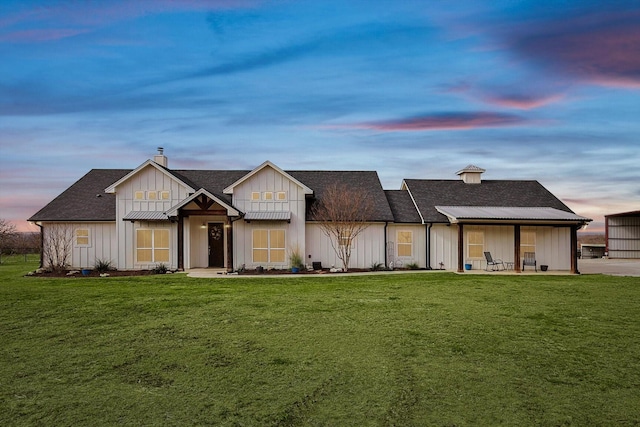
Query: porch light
203	225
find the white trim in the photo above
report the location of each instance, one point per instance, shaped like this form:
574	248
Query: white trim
229	189
231	211
112	187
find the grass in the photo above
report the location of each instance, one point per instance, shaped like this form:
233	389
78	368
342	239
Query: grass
401	350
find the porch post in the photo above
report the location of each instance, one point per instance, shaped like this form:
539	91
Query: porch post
574	249
460	249
516	248
180	241
229	228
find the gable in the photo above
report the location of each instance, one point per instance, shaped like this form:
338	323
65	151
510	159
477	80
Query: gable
267	172
149	175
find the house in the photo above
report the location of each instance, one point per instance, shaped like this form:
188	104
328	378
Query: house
622	235
185	219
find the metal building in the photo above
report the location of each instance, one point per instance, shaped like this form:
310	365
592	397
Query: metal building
622	234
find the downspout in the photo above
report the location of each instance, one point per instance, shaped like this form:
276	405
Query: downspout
428	244
41	244
386	250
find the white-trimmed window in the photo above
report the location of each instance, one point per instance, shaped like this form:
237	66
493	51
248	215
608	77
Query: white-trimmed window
165	195
82	237
255	195
281	196
267	195
268	246
152	245
527	242
475	244
139	195
152	195
404	241
345	239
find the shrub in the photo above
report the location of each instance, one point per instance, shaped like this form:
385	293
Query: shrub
412	266
102	266
376	266
160	269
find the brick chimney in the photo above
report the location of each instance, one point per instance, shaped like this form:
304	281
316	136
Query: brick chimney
471	174
160	158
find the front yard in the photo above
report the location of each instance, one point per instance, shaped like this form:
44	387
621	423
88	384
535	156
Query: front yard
414	349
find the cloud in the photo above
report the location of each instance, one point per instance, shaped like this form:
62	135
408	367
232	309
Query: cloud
597	45
445	121
40	35
520	101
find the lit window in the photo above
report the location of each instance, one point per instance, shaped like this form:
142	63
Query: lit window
255	195
345	239
268	246
281	195
152	245
405	243
139	195
475	244
268	195
527	242
165	195
152	195
82	237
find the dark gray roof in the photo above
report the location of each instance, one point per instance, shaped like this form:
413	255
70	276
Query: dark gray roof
361	181
404	211
431	193
80	202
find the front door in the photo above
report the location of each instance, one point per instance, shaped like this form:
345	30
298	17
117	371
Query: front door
216	245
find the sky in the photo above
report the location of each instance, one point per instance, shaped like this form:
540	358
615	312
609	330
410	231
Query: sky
534	90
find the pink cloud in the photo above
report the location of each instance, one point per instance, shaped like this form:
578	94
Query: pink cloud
446	121
600	47
40	35
521	102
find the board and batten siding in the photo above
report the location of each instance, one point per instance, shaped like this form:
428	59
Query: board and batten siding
272	181
102	243
148	179
418	247
368	248
196	243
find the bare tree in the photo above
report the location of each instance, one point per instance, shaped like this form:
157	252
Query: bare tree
343	213
57	246
7	232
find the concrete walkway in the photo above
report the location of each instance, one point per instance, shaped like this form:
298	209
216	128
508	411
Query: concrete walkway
614	267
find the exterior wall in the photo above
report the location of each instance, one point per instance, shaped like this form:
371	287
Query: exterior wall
419	249
553	245
102	244
367	250
623	236
268	180
148	179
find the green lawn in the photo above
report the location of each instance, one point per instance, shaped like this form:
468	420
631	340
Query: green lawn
400	350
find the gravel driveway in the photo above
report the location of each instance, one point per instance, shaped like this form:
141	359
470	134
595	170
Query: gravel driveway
613	267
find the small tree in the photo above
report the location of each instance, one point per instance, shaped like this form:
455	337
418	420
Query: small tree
57	246
7	233
343	214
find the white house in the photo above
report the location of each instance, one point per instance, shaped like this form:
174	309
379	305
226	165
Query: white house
184	219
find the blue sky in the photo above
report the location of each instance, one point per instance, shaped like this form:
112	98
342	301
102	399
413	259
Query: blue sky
545	90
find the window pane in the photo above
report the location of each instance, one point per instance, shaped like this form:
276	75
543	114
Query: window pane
151	195
260	239
161	255
475	251
277	239
255	196
405	237
260	255
161	238
143	238
277	255
268	195
143	255
82	241
282	195
404	250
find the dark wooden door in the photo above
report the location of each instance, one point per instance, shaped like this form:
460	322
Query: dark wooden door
216	245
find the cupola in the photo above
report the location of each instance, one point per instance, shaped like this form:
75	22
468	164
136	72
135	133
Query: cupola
471	174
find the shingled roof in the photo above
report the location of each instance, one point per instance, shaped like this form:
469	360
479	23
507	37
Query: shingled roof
85	200
404	211
431	193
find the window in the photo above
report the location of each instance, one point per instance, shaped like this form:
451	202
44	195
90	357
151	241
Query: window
475	244
527	242
255	195
345	239
268	246
152	195
82	237
281	195
165	195
405	243
267	195
139	195
152	245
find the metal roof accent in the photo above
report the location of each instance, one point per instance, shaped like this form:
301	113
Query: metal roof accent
471	168
268	216
500	213
146	216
